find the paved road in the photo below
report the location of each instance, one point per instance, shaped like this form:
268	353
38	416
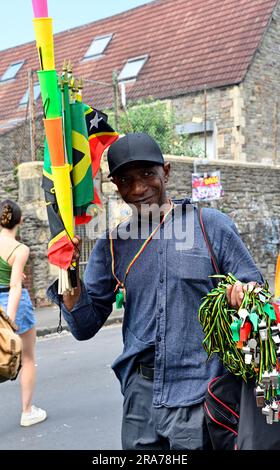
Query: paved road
80	392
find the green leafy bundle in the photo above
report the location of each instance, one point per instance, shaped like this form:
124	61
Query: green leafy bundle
224	326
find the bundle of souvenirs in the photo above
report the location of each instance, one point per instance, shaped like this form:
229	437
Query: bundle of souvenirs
246	339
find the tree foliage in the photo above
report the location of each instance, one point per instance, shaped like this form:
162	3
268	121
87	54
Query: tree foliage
157	119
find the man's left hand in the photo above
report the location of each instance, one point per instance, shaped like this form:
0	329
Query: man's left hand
235	293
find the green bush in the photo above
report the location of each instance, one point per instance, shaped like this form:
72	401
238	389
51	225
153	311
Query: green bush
158	120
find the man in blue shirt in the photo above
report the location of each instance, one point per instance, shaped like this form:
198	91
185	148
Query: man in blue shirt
161	276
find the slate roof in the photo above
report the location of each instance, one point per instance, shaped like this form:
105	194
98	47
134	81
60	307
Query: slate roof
189	43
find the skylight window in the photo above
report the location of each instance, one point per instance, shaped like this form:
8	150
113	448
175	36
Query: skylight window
132	68
36	91
11	71
98	46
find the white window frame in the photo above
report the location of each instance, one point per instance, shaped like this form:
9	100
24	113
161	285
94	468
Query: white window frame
125	76
99	53
6	75
36	90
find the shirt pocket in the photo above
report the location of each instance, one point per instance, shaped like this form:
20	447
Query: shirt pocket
191	266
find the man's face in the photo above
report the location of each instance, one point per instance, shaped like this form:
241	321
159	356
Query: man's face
142	183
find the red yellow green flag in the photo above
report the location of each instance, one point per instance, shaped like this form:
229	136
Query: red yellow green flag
100	135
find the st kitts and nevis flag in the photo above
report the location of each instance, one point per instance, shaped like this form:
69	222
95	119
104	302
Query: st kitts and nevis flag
100	135
91	135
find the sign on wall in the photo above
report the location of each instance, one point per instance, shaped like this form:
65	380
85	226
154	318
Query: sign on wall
206	186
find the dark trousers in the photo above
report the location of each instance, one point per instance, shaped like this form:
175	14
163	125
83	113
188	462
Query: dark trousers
146	427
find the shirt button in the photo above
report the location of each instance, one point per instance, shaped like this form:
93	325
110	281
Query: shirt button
160	252
161	281
160	309
159	339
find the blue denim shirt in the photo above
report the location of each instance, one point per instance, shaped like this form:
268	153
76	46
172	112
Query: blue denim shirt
163	293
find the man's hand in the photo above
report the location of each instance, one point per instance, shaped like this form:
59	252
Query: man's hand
235	293
77	242
70	300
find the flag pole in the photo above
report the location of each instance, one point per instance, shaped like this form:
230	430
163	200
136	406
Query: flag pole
31	114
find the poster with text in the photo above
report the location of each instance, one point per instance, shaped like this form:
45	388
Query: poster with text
206	186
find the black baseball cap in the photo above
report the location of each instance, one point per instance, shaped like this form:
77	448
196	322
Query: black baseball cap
133	147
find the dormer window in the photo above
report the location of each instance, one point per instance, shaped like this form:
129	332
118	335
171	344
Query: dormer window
11	71
132	68
98	46
36	90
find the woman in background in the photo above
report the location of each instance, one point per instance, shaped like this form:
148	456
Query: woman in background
16	303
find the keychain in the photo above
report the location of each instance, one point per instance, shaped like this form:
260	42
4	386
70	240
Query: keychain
120	297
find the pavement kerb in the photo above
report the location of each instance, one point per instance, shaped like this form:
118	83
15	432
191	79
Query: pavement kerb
42	330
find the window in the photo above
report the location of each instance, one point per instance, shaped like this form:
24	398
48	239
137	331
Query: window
132	68
11	71
98	46
202	137
36	91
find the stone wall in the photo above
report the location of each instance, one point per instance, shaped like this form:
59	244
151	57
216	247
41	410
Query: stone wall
15	145
251	199
223	109
8	185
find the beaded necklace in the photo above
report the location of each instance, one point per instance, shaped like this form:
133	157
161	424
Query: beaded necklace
120	287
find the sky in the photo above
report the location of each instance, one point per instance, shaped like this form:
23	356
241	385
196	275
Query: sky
16	16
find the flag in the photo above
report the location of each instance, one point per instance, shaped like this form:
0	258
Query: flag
100	135
60	248
91	135
86	218
81	174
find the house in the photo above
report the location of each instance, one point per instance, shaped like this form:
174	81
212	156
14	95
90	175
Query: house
216	62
